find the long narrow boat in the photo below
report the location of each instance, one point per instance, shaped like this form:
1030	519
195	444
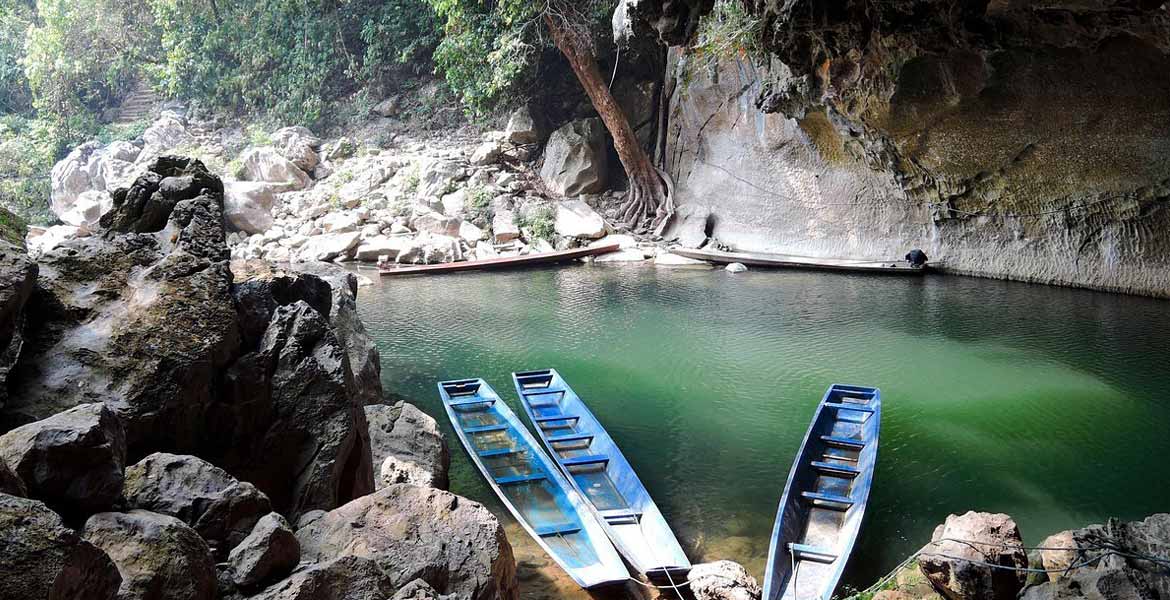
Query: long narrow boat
792	261
824	500
597	469
507	262
530	484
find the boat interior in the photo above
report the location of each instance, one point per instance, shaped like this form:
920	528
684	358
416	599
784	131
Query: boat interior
517	470
825	500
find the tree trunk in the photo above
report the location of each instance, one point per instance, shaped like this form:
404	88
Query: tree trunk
649	203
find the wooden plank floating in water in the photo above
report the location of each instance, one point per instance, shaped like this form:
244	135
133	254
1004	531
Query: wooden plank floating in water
506	262
791	261
597	469
530	484
824	499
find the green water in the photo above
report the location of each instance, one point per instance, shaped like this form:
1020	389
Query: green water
1049	404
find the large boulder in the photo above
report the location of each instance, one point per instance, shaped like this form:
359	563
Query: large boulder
221	509
166	133
73	461
70	177
289	420
522	127
247	205
374	248
504	228
87	209
455	545
951	561
575	218
140	318
267	165
18	278
574	159
436	223
346	578
722	580
1086	570
298	145
430	249
259	287
42	559
437	177
329	246
407	446
269	552
159	557
690	226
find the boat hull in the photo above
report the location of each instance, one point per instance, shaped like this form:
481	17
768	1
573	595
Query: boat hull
508	262
788	261
588	456
530	484
824	500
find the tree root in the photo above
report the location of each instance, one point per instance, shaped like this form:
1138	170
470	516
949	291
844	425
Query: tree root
650	203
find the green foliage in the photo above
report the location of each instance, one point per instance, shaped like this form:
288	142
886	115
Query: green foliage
479	202
12	227
28	150
290	57
81	54
15	95
729	31
539	223
129	131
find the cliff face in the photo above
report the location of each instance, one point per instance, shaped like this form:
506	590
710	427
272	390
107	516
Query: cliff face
1018	139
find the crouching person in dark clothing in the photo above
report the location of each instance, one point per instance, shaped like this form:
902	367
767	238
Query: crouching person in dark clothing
916	258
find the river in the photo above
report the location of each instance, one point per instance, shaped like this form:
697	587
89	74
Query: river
1049	404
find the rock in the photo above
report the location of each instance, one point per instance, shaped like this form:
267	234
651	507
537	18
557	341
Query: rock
437	177
42	559
457	546
70	178
522	128
329	246
574	159
1099	575
487	153
387	108
340	150
292	422
73	461
221	509
158	557
268	166
504	227
992	538
88	209
670	259
364	362
437	224
374	248
341	222
420	590
165	134
10	483
259	288
892	595
723	580
367	175
143	322
248	205
51	238
298	144
690	226
624	241
469	233
621	256
575	218
346	578
18	278
484	251
454	203
269	552
430	249
411	438
735	268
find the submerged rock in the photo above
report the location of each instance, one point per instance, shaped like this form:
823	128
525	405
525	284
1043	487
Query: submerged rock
158	557
735	268
455	545
220	508
73	461
41	559
947	562
723	580
407	446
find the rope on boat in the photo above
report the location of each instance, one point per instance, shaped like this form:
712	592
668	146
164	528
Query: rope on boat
1107	548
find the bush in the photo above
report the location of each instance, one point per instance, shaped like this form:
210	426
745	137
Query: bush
28	150
728	31
540	223
15	95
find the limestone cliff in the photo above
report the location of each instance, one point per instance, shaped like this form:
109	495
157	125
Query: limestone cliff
1017	139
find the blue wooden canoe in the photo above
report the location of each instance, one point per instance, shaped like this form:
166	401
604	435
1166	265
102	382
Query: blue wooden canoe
824	500
598	470
530	484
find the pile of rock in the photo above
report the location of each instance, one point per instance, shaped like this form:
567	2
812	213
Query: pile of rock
178	425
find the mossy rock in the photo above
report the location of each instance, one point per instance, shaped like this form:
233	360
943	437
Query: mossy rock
13	229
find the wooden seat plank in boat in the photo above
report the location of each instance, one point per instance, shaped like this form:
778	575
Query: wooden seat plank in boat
824	499
596	467
530	484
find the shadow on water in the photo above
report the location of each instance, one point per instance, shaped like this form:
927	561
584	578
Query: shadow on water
1044	403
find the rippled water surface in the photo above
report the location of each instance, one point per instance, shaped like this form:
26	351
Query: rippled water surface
1052	405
